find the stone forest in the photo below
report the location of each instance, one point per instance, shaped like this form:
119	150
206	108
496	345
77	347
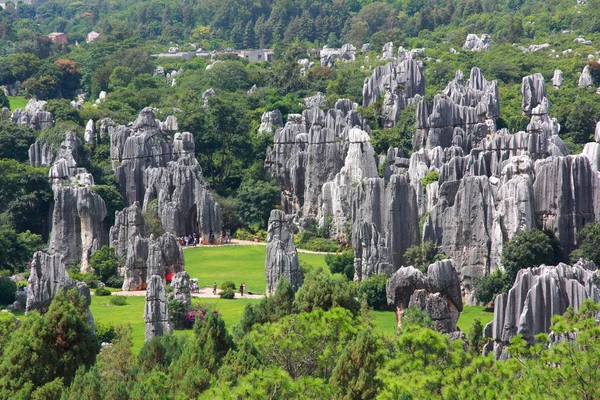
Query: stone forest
296	200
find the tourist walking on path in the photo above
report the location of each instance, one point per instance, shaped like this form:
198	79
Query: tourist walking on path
215	288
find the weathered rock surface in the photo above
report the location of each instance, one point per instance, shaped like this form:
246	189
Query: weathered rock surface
34	115
151	168
181	288
536	296
156	311
270	122
282	257
557	79
400	82
308	152
128	225
89	136
474	43
438	293
585	79
48	277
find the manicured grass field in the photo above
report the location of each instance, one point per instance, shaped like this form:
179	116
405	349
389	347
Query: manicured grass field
235	263
17	102
132	313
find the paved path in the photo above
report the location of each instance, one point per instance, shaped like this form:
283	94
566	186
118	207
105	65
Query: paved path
237	242
205	293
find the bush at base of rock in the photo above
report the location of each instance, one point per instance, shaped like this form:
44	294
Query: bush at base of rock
102	291
118	300
227	294
115	282
227	285
7	290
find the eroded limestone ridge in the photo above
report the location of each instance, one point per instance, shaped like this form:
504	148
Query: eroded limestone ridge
153	166
535	297
282	257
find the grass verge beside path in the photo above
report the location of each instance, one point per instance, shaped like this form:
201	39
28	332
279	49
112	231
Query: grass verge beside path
235	263
17	102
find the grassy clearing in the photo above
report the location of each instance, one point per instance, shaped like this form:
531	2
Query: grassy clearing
469	314
132	313
17	102
235	263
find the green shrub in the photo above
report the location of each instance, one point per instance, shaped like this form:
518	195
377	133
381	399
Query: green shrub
105	333
431	177
115	282
227	285
118	300
7	290
490	286
306	241
102	291
341	263
104	263
227	294
373	289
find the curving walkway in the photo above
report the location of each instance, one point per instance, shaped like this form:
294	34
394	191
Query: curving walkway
205	293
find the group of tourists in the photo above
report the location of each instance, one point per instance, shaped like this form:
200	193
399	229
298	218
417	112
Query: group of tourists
194	239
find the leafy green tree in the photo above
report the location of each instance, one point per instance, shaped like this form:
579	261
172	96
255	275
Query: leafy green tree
354	375
490	286
255	200
43	88
373	289
8	288
119	78
23	65
305	344
588	244
526	249
104	263
16	249
342	263
421	256
60	342
15	141
322	290
416	317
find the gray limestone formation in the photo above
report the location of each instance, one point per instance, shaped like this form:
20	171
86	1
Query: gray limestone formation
557	79
470	106
401	83
208	93
270	122
388	51
156	311
438	293
89	136
348	52
474	43
151	256
129	224
366	47
34	115
385	223
585	79
316	101
170	124
41	154
536	296
48	277
151	168
282	257
181	288
308	152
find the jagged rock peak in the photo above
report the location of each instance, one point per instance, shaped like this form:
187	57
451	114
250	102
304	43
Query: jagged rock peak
438	293
585	79
282	257
128	225
536	296
557	79
270	122
474	43
181	288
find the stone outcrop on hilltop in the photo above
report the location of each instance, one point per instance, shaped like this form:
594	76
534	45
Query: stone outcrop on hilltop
150	167
308	152
438	293
557	79
400	83
585	79
536	296
475	43
34	115
462	115
282	257
270	122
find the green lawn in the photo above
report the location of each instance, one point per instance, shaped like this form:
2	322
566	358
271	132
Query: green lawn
132	313
17	102
385	320
235	263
